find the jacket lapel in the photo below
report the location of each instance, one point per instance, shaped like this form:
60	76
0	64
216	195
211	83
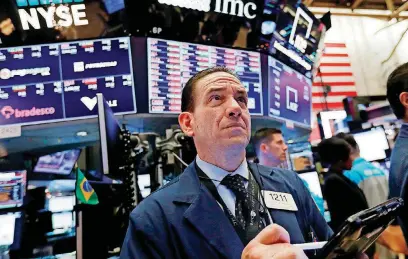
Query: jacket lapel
269	181
207	217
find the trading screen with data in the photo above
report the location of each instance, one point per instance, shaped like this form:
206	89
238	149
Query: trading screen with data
60	81
171	64
290	94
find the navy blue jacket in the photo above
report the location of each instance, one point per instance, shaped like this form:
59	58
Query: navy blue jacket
398	181
183	220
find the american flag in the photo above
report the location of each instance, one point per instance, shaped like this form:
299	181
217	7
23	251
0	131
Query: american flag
335	71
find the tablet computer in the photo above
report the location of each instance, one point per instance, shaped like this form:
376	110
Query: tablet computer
361	230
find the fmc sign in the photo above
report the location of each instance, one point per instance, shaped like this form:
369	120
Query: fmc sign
62	13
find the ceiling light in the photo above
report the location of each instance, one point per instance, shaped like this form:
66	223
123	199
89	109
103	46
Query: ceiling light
82	134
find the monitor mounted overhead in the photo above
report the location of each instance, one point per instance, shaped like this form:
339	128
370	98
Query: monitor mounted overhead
60	163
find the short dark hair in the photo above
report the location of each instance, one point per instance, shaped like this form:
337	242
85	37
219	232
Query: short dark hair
187	96
333	150
263	134
349	138
396	84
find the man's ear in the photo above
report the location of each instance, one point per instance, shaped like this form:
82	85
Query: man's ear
263	147
404	99
186	121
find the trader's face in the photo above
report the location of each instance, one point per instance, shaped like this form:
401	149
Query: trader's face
275	149
220	118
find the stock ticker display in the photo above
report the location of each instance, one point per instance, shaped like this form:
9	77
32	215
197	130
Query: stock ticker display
60	81
290	94
171	64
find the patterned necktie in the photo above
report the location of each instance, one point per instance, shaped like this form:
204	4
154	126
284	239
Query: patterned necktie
236	184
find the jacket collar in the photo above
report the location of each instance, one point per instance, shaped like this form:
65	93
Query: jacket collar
403	131
206	216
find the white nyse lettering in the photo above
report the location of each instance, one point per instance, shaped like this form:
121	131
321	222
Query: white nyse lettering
27	19
48	15
64	15
78	12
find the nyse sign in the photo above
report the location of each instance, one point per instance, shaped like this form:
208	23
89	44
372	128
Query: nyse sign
53	15
231	7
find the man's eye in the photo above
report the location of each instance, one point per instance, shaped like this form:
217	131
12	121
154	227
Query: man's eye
215	97
242	99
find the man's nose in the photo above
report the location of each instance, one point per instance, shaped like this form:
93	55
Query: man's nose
233	109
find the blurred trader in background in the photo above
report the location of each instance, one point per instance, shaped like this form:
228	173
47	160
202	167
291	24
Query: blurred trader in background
215	209
397	95
343	197
371	180
270	147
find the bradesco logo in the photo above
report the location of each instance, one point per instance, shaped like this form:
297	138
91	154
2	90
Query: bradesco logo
49	10
8	112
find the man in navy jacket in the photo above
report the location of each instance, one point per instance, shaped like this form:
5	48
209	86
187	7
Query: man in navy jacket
200	214
397	95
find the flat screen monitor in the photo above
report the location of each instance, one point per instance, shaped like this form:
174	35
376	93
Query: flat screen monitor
57	82
10	225
290	94
12	189
372	143
331	122
294	37
301	156
61	203
311	180
110	137
57	163
171	64
285	29
63	220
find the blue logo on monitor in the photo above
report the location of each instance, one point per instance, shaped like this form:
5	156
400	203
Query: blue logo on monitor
24	3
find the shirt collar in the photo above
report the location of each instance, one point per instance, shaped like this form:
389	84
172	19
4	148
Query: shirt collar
217	174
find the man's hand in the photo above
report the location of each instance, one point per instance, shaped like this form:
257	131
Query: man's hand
272	243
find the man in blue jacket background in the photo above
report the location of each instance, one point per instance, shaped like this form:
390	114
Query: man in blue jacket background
221	206
397	95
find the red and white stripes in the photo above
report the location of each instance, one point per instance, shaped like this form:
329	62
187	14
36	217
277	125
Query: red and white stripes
335	71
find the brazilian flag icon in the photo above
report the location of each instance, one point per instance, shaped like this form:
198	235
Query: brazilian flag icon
84	191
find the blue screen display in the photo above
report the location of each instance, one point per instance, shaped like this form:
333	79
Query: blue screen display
60	81
290	94
171	64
